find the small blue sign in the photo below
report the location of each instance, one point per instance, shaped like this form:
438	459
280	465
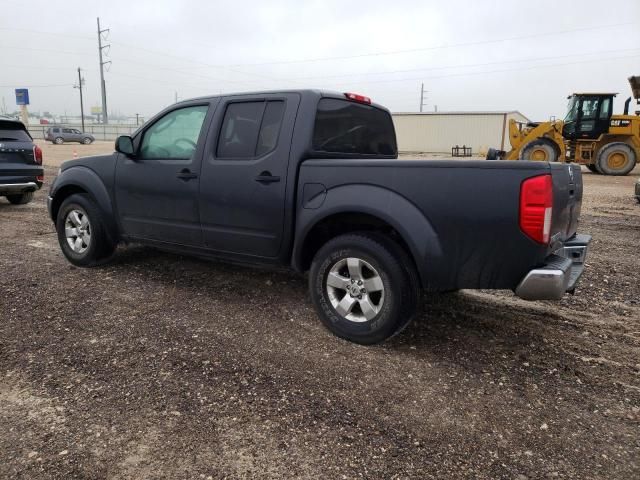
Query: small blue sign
22	96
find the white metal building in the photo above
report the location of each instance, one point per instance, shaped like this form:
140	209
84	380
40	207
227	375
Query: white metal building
437	132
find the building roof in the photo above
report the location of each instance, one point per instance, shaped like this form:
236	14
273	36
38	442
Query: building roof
465	112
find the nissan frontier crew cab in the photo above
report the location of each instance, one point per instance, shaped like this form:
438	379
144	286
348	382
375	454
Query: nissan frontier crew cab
311	180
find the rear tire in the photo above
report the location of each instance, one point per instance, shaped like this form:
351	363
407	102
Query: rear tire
616	159
540	149
58	140
21	198
82	232
364	287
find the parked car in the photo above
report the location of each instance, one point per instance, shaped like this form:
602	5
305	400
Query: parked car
59	135
311	180
21	172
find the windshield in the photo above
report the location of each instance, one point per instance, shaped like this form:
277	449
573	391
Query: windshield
572	110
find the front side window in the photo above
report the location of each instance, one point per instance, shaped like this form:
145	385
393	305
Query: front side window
345	127
174	136
590	108
250	129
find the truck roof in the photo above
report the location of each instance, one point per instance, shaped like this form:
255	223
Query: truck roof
303	92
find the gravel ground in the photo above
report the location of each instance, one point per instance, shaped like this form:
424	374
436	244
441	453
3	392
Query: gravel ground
162	366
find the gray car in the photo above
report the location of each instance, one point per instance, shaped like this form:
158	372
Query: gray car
59	135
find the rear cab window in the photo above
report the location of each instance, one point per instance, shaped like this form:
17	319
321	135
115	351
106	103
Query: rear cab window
13	132
355	129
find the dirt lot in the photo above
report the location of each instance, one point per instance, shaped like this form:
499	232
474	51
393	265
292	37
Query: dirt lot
161	366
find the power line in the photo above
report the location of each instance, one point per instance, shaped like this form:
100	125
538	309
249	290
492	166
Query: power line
438	47
468	65
493	71
36	86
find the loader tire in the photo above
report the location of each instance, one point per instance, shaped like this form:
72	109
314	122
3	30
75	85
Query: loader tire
540	149
616	159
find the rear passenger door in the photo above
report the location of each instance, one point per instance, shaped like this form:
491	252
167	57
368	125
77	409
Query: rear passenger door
244	174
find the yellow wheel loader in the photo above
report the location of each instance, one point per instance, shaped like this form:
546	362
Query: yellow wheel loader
589	135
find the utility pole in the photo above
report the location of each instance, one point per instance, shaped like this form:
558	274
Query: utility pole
137	118
176	96
422	96
79	87
105	117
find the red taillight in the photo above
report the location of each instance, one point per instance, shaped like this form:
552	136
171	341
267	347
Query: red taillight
40	178
37	154
536	207
358	98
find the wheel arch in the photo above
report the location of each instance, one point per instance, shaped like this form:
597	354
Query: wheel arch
350	208
85	181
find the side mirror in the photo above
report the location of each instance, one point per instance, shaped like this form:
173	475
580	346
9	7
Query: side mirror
124	144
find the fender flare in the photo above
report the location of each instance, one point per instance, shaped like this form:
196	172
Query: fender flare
410	223
87	180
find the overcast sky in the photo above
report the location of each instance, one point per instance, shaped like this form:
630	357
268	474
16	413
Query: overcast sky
471	55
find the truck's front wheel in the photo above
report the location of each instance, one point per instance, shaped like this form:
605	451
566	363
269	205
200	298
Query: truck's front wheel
81	232
363	287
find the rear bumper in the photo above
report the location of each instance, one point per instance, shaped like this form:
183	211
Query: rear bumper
17	188
559	274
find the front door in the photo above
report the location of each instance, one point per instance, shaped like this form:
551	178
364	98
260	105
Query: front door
593	117
157	189
244	174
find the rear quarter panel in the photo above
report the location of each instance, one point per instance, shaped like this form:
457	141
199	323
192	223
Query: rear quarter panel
469	234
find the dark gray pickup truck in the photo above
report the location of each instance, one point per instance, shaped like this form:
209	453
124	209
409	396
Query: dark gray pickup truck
311	180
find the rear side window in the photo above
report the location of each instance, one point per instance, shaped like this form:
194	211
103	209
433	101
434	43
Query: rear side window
13	132
250	129
353	128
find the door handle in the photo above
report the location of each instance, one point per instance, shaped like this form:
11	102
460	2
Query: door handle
186	174
266	178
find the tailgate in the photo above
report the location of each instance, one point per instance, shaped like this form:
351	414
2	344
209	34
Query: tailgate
567	200
16	154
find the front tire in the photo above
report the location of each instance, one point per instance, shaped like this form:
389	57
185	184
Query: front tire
364	287
87	141
541	150
21	198
82	233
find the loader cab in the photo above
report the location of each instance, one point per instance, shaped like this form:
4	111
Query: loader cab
588	115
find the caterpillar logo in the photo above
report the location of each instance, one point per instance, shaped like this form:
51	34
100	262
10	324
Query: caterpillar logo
620	123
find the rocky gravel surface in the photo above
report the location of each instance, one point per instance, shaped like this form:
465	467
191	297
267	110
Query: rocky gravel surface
162	366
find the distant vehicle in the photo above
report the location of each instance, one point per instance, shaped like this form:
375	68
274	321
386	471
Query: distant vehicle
59	135
312	180
21	172
638	190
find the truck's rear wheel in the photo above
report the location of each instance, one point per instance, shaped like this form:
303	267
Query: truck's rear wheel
363	287
541	150
616	159
81	232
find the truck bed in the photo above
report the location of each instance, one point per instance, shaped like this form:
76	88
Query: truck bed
466	212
